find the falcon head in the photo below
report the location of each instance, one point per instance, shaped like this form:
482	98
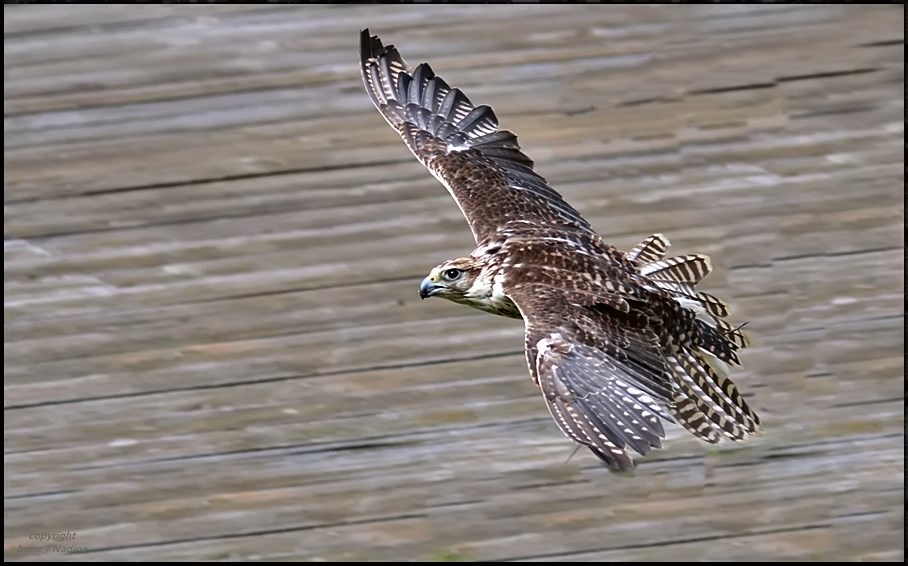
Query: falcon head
454	280
469	281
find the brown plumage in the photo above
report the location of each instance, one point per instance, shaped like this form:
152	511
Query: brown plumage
616	342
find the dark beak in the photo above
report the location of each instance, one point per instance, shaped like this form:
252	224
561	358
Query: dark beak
427	288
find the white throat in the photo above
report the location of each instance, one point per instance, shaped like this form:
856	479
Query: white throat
487	294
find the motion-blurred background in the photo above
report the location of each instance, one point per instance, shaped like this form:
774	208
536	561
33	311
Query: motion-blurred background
213	242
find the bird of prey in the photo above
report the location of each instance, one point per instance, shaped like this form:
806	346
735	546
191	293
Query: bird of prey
616	341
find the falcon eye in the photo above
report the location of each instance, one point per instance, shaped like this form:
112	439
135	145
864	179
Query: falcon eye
452	274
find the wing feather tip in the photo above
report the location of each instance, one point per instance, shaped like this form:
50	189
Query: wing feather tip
619	464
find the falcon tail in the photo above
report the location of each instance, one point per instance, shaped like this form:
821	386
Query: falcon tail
706	402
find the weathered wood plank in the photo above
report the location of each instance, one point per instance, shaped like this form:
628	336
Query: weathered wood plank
212	344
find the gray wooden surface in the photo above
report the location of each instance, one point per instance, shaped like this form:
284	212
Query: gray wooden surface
213	343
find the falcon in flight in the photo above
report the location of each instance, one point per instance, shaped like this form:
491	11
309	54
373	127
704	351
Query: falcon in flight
616	341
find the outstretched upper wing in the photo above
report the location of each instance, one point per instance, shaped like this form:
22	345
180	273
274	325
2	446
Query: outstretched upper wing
483	168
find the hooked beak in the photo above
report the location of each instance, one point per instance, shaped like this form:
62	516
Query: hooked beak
427	288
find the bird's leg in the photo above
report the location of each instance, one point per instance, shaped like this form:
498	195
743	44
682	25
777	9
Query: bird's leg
573	453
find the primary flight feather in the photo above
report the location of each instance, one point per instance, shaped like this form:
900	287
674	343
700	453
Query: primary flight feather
617	342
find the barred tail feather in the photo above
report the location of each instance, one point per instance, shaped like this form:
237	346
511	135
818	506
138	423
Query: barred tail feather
692	386
706	402
649	250
719	374
689	269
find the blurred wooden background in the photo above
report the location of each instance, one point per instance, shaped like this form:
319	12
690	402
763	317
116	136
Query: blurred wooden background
214	347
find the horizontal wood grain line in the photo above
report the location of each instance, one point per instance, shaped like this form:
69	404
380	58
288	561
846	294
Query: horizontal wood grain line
256	533
258	381
672	542
207	181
